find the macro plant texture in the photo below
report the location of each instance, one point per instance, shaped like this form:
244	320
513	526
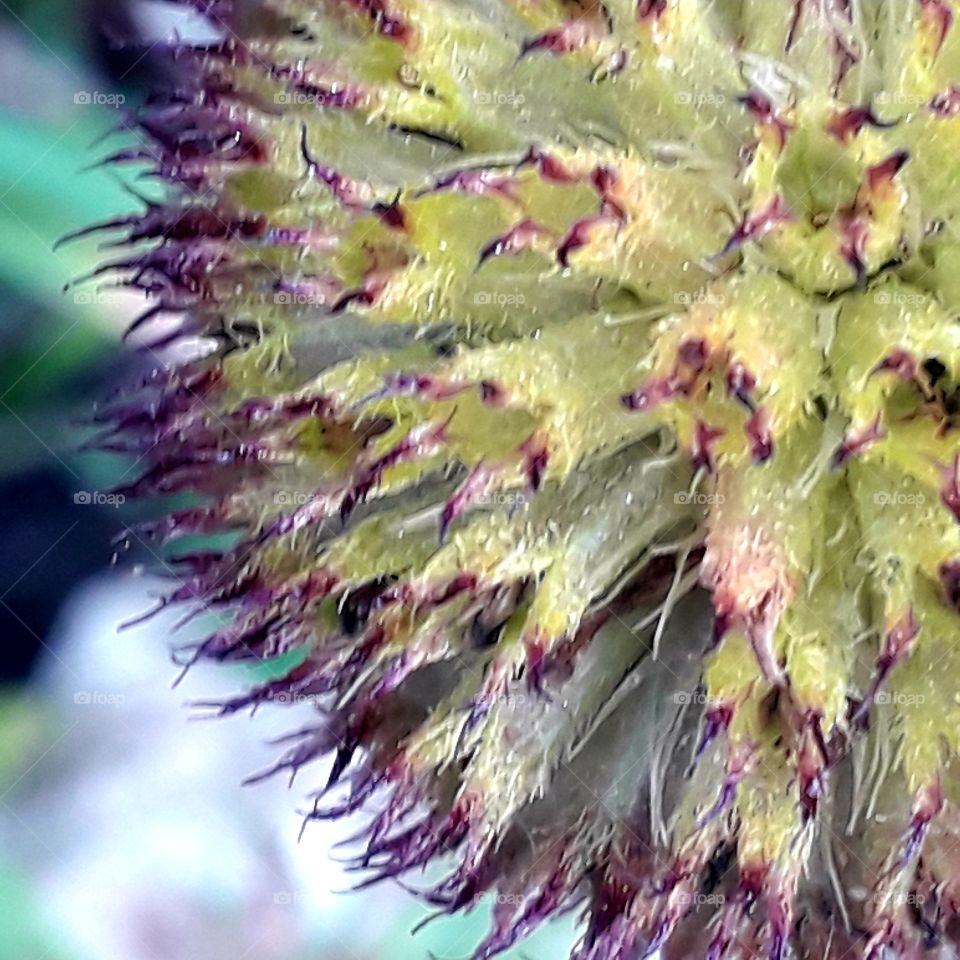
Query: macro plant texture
574	388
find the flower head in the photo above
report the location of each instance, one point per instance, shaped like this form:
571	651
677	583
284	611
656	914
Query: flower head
580	391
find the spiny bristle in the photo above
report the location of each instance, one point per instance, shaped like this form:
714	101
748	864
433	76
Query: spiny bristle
581	391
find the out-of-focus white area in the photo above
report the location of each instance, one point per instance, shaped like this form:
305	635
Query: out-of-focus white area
158	20
134	826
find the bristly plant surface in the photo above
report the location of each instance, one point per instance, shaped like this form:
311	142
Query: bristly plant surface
578	383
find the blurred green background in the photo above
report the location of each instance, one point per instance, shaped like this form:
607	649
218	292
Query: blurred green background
124	832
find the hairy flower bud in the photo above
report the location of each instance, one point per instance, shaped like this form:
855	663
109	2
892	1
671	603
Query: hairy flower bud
581	394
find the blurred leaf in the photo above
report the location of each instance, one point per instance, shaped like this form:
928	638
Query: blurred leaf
23	731
22	932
